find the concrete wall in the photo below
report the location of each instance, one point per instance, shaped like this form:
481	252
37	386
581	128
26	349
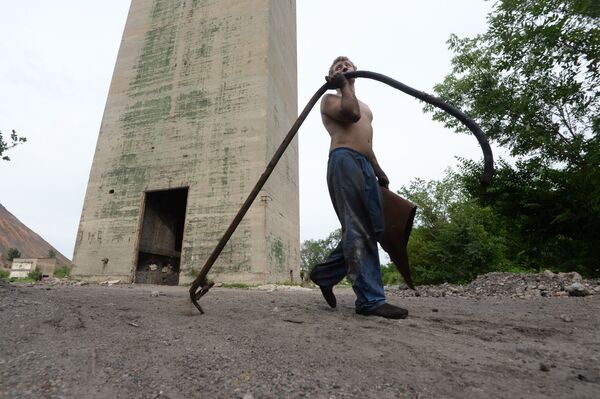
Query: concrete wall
22	266
202	94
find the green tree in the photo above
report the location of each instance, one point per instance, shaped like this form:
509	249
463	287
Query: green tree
51	253
316	251
12	253
533	83
454	238
5	146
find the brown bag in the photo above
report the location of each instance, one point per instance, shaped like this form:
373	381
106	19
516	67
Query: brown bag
399	215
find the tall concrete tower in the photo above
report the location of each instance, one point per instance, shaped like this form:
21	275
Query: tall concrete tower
202	94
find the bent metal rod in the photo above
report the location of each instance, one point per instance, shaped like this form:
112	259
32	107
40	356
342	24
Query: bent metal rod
201	285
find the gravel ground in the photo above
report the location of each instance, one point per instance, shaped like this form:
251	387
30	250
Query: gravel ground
140	341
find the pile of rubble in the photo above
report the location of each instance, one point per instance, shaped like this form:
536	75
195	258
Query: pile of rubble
546	284
280	287
63	282
57	282
496	284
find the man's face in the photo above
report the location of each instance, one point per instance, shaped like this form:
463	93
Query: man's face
342	66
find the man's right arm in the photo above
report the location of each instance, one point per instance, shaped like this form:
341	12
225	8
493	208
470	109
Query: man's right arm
345	108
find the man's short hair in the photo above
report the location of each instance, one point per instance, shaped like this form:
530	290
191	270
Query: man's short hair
338	59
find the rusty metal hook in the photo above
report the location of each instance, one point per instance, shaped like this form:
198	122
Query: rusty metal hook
200	286
205	286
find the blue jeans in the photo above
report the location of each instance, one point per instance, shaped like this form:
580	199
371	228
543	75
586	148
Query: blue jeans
356	198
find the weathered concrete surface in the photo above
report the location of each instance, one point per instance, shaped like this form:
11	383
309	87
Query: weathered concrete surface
135	342
203	92
22	266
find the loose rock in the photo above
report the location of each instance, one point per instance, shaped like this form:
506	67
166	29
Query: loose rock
522	286
566	319
577	289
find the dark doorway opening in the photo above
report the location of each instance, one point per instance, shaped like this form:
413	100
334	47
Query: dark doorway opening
159	255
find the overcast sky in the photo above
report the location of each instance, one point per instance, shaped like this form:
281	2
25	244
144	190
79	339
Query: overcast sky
58	58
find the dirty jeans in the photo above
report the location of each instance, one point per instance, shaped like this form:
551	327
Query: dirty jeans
356	198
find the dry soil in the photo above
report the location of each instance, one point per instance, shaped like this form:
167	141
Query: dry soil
140	341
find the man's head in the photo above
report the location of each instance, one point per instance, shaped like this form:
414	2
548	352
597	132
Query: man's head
341	64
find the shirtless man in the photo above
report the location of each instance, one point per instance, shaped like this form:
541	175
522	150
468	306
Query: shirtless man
353	179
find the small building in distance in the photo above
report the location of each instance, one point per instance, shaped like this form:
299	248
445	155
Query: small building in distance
22	266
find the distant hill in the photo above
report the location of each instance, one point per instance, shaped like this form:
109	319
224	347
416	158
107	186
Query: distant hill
14	234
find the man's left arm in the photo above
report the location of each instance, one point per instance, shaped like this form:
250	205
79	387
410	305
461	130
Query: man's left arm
381	176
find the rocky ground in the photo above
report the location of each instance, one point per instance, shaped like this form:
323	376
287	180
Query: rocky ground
511	285
502	336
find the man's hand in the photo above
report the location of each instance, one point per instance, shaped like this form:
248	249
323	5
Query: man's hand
337	81
383	181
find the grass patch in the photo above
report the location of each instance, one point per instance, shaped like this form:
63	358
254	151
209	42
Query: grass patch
289	282
35	274
237	285
32	277
22	280
4	275
62	272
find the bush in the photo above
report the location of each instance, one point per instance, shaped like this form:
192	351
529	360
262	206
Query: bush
4	274
12	253
390	274
35	274
62	272
455	238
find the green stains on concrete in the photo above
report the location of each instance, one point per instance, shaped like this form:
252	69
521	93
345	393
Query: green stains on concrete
127	159
195	3
118	210
165	10
203	51
159	91
277	254
192	105
202	43
133	178
156	63
232	97
149	112
224	165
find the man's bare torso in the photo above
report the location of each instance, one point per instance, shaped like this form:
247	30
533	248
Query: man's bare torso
357	136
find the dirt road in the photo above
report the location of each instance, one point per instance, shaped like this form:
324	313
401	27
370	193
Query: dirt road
127	341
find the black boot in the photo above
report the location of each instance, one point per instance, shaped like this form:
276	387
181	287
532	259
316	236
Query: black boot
386	310
328	295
